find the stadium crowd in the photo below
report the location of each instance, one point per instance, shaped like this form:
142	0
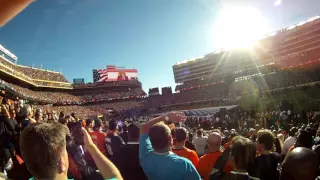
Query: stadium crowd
270	145
33	73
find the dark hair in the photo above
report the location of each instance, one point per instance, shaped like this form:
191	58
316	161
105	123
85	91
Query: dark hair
97	124
243	152
181	134
304	138
133	131
199	132
277	145
88	122
61	115
267	138
293	131
64	120
41	146
159	134
113	125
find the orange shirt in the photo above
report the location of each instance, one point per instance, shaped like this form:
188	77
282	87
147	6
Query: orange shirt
98	139
206	164
189	154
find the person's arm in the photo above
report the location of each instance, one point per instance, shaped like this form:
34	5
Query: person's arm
10	8
144	129
174	117
106	167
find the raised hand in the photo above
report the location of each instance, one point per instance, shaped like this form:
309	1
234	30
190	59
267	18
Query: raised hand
177	117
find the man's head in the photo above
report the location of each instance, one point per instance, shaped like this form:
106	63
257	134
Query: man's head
26	111
113	125
300	163
199	132
89	123
97	124
43	148
243	152
61	115
304	138
214	141
293	131
38	115
181	135
160	137
133	132
265	140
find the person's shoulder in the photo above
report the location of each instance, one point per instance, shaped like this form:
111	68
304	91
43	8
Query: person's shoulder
180	159
189	151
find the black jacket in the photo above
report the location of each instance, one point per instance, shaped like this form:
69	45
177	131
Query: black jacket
127	161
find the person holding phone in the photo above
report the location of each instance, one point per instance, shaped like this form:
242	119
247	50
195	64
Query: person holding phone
43	148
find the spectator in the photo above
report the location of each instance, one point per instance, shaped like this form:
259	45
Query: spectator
207	161
243	153
61	115
89	125
180	149
113	141
304	139
98	137
38	115
26	113
300	163
290	141
154	152
43	147
265	165
124	134
189	144
278	145
127	160
200	142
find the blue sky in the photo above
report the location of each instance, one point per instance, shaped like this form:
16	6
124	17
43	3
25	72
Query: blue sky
149	35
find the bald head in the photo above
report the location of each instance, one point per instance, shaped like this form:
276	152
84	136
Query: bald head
301	163
214	141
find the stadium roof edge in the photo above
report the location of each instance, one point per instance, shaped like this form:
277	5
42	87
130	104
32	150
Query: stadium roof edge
38	68
301	23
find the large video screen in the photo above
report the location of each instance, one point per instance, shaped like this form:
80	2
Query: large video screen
113	73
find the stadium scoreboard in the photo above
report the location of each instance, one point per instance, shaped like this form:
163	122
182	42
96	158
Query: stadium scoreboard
78	81
113	73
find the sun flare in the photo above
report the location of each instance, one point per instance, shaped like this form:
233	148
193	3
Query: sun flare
239	27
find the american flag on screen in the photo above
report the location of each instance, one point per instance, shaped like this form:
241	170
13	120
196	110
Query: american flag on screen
100	75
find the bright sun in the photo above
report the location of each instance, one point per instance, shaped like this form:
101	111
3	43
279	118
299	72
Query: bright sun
239	27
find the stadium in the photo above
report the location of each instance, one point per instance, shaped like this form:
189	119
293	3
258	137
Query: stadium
281	67
247	111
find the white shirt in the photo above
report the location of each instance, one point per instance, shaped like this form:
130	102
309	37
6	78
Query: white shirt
287	144
200	143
